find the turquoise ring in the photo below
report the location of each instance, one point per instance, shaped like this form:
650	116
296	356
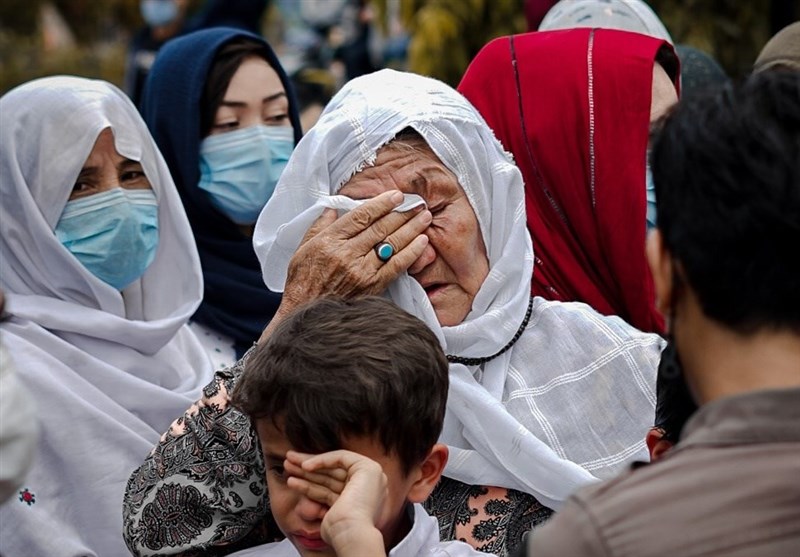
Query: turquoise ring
384	251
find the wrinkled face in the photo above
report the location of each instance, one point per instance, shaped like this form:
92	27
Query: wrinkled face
300	518
454	265
255	95
106	169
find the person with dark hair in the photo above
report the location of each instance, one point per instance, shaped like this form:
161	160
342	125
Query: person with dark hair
349	427
699	71
164	20
724	257
223	113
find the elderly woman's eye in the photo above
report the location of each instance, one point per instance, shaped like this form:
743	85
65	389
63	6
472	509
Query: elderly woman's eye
81	186
132	175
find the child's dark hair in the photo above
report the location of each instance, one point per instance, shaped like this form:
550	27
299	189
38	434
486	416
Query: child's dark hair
342	368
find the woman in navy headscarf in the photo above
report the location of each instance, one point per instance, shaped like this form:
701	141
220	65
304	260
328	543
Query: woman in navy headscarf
223	113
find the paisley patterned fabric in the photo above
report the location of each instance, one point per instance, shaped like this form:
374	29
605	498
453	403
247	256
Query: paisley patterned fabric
203	484
202	491
492	520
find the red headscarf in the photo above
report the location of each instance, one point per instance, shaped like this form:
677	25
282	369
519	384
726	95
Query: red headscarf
573	107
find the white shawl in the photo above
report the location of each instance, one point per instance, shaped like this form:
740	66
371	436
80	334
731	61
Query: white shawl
575	388
108	371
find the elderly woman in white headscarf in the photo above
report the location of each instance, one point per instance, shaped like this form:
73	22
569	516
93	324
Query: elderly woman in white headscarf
629	15
544	396
101	275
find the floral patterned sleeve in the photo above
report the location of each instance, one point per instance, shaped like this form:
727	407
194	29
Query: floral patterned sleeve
201	491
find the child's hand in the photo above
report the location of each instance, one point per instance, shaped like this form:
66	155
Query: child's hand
353	486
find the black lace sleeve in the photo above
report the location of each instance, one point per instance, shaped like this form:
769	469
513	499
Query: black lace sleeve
201	491
491	519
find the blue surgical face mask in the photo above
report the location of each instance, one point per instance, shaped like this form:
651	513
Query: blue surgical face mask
239	169
114	234
650	192
157	13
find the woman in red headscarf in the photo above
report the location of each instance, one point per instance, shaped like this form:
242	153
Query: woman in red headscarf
575	108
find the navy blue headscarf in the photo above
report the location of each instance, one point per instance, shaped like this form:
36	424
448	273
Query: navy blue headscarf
236	302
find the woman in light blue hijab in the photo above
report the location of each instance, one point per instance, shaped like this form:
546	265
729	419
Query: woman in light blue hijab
101	275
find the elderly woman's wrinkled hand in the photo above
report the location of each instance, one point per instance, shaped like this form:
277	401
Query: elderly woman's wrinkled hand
337	255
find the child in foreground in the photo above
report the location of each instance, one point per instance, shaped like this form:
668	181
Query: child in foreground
348	399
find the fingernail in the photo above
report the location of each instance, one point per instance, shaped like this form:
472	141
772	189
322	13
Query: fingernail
397	197
426	217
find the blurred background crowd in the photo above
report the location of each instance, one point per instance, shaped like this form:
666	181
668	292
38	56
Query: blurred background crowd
323	43
125	334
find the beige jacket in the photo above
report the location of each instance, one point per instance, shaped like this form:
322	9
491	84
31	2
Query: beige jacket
731	487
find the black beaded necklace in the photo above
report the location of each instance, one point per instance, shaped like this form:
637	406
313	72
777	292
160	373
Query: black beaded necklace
478	361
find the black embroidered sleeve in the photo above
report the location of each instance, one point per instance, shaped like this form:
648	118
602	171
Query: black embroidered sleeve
201	491
492	520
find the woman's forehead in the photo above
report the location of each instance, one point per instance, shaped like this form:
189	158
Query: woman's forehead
410	166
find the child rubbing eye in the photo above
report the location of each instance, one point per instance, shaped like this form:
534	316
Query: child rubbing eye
348	424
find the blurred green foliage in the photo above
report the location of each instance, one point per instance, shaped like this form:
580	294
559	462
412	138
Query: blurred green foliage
732	31
91	19
21	16
101	30
447	34
23	58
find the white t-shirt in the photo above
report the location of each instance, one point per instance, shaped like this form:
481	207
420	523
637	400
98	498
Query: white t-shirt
423	539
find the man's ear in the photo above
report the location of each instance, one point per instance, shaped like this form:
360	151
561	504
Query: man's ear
660	261
656	444
429	472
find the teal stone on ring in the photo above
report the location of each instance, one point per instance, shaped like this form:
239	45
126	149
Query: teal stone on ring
385	251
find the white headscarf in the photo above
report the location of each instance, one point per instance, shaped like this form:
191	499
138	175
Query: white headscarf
627	15
109	371
525	418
